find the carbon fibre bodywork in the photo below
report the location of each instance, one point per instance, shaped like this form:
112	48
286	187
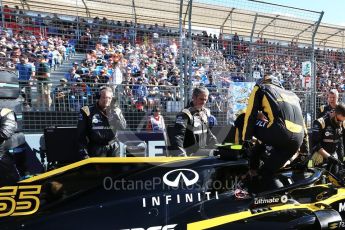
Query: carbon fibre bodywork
175	193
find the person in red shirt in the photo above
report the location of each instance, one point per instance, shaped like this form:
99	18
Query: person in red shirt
8	14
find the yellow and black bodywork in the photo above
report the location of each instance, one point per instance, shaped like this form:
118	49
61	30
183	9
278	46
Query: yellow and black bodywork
170	193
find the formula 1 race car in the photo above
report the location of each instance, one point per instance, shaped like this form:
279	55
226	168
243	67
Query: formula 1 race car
170	193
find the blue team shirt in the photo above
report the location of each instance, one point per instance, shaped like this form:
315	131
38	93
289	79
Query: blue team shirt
24	71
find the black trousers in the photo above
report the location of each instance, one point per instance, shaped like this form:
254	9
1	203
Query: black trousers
25	89
282	145
102	150
8	171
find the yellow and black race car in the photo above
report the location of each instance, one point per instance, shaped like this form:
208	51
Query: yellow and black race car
170	193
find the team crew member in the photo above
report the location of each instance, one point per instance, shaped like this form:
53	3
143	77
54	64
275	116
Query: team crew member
332	100
191	127
284	129
237	128
97	127
8	126
327	137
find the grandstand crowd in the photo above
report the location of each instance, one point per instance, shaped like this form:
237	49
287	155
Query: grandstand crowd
143	61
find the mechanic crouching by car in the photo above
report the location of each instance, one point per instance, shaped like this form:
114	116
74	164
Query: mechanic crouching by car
282	133
327	139
97	127
192	132
8	125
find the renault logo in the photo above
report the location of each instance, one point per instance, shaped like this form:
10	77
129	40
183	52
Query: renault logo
178	175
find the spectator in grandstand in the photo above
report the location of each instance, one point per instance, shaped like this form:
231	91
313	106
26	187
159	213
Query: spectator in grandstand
91	56
192	131
332	100
153	97
212	88
328	138
215	42
166	97
8	127
5	63
15	54
39	20
139	91
79	93
174	78
117	76
26	72
99	49
212	121
173	48
136	117
8	14
104	39
98	125
72	76
78	69
61	96
197	80
54	57
43	85
103	77
284	130
155	121
126	96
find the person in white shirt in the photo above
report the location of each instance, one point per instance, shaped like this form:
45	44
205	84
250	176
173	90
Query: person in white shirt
104	39
173	48
117	76
156	124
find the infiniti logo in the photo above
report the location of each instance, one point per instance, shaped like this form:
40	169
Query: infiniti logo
180	176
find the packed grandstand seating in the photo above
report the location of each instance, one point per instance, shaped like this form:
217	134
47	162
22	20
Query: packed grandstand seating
143	60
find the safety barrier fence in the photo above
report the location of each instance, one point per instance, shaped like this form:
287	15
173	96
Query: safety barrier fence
61	106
